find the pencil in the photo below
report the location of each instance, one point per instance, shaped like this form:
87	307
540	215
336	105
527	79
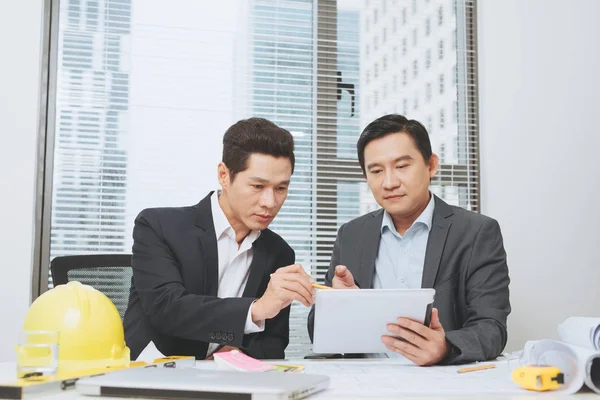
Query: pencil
317	286
477	368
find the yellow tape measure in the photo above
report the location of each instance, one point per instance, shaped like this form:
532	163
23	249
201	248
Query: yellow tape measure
538	377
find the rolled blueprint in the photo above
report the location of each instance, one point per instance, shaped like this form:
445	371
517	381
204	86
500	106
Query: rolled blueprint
581	331
560	355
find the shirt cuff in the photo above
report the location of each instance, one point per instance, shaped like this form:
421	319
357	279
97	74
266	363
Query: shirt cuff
250	326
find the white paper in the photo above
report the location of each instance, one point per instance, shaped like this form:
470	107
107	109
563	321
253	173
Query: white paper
150	353
372	378
578	364
581	331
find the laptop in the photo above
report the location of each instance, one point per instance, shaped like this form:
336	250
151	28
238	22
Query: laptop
353	321
192	383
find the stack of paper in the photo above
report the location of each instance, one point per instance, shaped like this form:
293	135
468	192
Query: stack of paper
577	353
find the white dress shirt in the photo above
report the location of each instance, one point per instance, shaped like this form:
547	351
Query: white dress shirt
234	264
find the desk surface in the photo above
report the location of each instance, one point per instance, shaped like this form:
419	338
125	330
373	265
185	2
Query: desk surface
382	379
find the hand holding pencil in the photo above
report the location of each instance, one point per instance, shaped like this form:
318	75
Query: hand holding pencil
286	285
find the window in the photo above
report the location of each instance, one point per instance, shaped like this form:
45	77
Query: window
442	152
454	75
268	66
441	50
442	119
455	111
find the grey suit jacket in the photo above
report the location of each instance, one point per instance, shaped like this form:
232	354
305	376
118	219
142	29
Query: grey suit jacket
465	262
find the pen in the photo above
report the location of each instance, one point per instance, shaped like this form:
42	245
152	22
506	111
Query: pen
317	286
477	368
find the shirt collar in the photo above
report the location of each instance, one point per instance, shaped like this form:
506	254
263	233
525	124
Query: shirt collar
426	217
221	223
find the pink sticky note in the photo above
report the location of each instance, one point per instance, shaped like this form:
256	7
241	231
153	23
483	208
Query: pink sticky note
241	362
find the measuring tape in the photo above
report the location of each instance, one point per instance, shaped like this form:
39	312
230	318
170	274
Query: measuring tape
538	377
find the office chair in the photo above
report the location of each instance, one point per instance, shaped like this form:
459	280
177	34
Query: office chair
108	273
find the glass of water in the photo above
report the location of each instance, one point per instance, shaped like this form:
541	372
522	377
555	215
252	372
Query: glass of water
37	354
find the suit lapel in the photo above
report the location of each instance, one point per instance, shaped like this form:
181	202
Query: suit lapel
258	268
436	242
208	241
370	248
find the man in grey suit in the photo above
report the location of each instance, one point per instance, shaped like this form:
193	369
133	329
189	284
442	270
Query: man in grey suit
417	240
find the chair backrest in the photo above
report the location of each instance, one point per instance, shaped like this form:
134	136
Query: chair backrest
108	273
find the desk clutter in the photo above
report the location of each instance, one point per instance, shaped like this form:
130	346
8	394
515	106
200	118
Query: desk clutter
561	366
576	354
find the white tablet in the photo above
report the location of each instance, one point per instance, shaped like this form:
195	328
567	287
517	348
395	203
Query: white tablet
353	320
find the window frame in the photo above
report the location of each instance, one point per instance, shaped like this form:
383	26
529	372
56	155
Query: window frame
330	168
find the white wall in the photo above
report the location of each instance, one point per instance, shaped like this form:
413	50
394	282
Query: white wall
20	47
539	63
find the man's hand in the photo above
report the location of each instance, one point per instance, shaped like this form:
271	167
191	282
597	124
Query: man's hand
343	278
286	285
422	345
222	350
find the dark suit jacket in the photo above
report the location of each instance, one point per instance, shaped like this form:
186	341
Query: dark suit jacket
465	262
173	300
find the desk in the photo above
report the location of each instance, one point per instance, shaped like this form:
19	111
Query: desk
363	376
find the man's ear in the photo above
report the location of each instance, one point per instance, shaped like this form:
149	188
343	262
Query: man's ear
434	161
223	175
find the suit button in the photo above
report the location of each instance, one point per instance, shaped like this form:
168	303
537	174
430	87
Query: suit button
212	336
218	336
230	337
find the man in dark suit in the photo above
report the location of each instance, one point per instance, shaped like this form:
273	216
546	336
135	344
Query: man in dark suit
417	240
211	277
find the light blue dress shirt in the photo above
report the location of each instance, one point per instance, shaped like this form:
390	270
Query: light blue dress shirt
400	259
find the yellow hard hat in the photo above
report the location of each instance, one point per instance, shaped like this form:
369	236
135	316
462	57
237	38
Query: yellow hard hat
90	331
